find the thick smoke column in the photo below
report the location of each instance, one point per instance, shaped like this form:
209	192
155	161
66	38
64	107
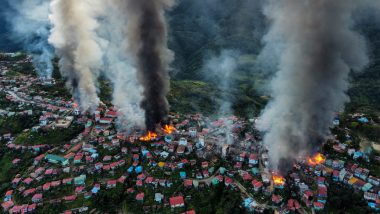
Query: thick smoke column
30	26
147	34
320	49
77	45
119	67
220	69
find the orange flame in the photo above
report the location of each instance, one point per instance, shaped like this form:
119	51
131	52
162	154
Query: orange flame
278	180
316	159
149	136
168	129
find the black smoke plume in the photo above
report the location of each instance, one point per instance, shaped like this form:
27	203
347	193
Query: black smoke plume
147	34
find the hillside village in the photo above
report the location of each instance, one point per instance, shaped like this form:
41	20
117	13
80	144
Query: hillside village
84	163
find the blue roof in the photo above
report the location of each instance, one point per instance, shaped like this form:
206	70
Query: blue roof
247	202
182	174
363	120
92	150
130	169
95	190
138	169
144	152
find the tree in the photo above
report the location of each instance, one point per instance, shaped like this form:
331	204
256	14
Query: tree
345	200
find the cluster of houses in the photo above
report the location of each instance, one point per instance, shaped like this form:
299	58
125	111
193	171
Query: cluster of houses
339	171
102	159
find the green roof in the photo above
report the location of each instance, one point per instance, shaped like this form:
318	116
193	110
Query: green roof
255	171
55	158
80	180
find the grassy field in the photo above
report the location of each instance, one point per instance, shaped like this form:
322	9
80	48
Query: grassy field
5	166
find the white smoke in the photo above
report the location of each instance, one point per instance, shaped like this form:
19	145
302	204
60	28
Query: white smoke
30	26
320	50
78	47
119	69
220	69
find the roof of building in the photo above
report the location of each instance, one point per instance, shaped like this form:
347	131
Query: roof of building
55	158
178	200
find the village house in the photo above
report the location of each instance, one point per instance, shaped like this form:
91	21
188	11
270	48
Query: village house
37	198
140	197
176	202
158	197
111	184
55	159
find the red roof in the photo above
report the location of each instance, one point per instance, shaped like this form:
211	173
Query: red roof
321	179
16	180
175	201
111	113
79	189
308	193
113	165
204	164
140	196
149	180
32	207
141	176
66	180
297	205
318	204
242	155
276	198
228	180
247	176
55	183
40	157
258	184
188	183
290	203
48	171
121	179
130	190
70	155
16	161
28	180
253	157
190	212
8	204
29	191
219	177
46	186
37	197
70	198
9	193
111	182
78	157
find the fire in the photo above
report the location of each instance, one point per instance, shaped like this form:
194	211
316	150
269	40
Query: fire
149	136
75	105
316	159
278	180
168	129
